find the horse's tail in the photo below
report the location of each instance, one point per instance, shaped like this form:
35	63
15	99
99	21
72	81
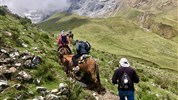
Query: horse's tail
98	78
97	73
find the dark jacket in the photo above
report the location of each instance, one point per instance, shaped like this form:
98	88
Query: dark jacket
80	47
131	73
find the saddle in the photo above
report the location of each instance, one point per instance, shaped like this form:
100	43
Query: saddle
83	58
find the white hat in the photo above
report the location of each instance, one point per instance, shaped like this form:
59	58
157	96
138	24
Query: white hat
62	31
124	62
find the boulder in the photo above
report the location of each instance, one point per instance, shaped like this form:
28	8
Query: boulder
54	91
3	85
19	87
52	97
42	90
24	76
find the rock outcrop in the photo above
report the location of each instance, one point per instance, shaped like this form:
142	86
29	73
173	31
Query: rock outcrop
94	8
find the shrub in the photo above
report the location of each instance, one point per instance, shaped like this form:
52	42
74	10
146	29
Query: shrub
144	78
3	10
140	70
25	21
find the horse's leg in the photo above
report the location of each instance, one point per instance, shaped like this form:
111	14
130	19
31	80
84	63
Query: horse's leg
96	79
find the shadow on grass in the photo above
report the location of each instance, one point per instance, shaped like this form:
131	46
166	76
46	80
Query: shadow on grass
55	25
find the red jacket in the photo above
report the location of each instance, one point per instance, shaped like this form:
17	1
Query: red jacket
59	41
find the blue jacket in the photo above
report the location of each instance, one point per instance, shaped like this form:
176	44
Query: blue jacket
80	47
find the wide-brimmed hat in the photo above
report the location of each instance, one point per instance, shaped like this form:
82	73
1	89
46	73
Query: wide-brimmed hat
124	62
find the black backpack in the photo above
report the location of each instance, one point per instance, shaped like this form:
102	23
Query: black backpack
63	39
125	82
87	46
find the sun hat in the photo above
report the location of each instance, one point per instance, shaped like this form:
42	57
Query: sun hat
124	62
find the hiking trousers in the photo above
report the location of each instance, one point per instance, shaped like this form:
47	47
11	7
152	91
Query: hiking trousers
75	57
126	94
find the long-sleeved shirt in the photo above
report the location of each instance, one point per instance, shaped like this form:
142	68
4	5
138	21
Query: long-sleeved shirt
116	79
59	40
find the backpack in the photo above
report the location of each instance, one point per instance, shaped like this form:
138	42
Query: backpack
87	46
63	39
126	81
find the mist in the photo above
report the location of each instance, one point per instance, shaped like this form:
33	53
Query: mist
22	6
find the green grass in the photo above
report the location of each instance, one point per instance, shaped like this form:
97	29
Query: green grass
50	71
121	37
153	56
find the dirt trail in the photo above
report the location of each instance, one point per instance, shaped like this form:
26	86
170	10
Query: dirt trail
107	96
103	96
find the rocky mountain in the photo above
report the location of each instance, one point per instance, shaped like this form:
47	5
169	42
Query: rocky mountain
158	16
94	8
103	8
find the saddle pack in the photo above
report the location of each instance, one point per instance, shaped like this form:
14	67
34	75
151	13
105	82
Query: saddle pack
83	58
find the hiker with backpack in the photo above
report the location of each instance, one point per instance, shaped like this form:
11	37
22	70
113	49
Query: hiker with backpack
81	48
63	41
125	77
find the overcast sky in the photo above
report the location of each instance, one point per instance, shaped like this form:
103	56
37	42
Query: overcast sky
20	6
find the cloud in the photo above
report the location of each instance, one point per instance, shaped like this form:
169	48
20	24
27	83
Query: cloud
22	6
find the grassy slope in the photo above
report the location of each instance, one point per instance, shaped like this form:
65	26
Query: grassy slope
116	37
96	31
168	14
33	37
50	72
121	37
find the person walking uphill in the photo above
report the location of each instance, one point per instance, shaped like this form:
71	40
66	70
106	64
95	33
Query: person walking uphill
125	77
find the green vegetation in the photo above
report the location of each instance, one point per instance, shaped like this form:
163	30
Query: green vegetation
154	57
16	31
124	37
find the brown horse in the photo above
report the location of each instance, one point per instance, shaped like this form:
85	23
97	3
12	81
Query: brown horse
89	66
63	51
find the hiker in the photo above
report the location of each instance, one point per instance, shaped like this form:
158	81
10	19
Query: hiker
81	48
125	77
70	34
63	41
